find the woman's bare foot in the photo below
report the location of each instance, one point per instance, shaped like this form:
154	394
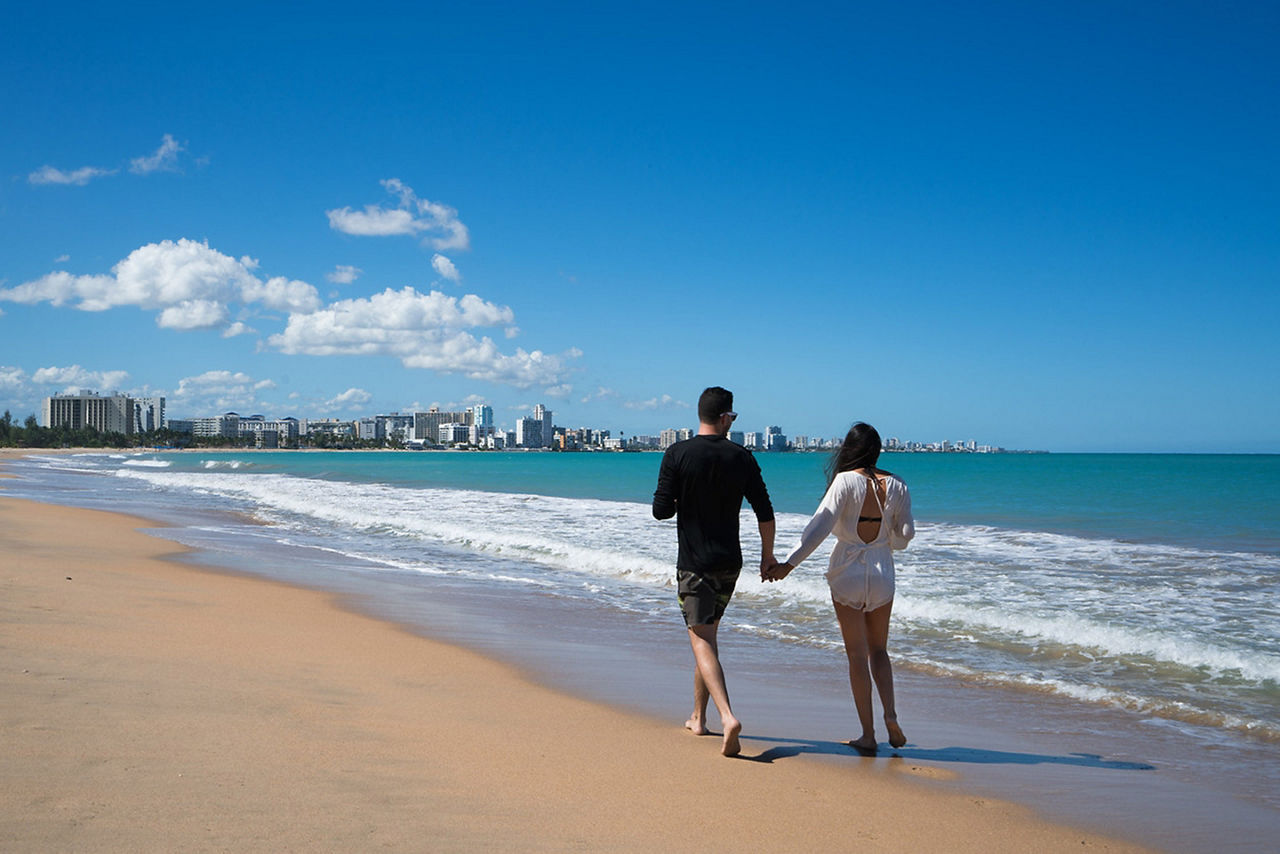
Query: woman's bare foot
865	745
696	726
896	738
731	747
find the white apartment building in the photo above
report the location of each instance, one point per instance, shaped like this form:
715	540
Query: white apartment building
453	434
426	425
332	426
396	427
105	413
481	423
148	414
529	433
541	413
217	425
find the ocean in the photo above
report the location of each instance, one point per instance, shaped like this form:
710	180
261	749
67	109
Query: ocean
1140	587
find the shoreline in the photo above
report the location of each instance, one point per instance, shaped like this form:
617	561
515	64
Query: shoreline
152	702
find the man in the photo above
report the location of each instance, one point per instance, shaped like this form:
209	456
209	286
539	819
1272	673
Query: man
702	482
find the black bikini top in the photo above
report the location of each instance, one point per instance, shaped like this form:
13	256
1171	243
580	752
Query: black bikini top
862	519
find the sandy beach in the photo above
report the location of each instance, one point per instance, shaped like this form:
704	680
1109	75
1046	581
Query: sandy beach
150	705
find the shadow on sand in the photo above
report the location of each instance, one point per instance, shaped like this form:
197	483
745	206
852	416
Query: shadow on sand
971	755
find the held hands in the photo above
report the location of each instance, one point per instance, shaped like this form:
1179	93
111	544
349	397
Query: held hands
771	570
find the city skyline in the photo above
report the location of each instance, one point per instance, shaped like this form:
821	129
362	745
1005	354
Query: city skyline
1047	227
472	427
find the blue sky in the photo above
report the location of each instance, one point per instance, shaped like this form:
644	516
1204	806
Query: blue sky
1044	226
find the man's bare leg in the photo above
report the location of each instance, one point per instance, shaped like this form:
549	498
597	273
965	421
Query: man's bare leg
711	676
697	723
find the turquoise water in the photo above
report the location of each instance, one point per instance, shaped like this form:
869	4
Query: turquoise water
1227	502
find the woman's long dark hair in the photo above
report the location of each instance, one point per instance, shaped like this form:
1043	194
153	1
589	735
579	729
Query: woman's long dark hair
860	449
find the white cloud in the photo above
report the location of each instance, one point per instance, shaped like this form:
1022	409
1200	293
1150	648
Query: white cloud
78	177
74	377
188	283
439	223
281	294
445	268
193	314
601	393
352	398
423	331
219	391
560	392
373	221
12	378
344	274
62	259
666	401
165	158
237	328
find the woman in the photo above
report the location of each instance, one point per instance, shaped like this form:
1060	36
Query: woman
869	510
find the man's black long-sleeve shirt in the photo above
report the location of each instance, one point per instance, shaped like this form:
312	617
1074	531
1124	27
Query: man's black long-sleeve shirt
702	482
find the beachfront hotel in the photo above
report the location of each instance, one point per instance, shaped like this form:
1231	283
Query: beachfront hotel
114	413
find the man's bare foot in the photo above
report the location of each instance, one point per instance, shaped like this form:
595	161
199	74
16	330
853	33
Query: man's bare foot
865	746
896	738
731	730
696	726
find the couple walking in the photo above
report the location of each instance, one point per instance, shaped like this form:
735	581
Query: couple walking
703	481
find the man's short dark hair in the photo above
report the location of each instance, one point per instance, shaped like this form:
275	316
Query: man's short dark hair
713	403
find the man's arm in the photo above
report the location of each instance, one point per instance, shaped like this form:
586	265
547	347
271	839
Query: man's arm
767	559
757	496
664	497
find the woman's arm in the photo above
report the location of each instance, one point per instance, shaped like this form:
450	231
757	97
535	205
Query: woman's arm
824	518
904	525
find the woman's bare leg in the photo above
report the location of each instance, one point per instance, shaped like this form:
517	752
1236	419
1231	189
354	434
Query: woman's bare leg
877	623
853	627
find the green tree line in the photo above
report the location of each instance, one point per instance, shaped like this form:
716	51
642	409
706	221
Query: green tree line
29	434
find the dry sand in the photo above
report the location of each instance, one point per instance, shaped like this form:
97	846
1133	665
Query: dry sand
146	705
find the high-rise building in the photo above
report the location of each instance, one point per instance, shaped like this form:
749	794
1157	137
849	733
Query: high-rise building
541	413
227	425
148	414
453	434
426	425
528	433
481	424
396	427
105	413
